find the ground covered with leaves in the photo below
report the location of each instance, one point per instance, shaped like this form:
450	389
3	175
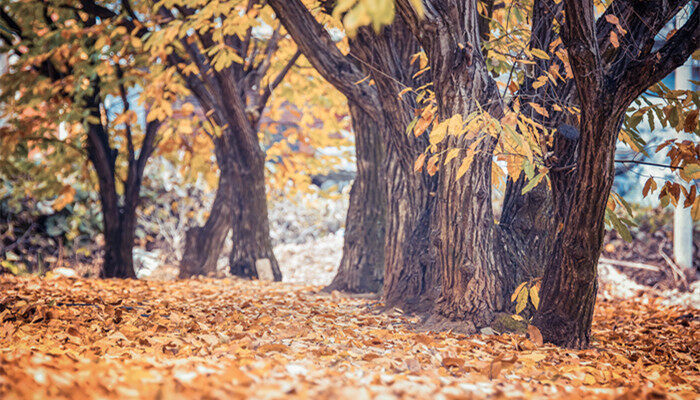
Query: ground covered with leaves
73	338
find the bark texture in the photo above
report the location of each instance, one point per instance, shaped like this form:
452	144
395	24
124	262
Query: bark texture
250	224
606	82
361	268
474	284
234	98
204	244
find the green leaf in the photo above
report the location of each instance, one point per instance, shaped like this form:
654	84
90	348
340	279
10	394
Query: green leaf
619	226
411	125
534	182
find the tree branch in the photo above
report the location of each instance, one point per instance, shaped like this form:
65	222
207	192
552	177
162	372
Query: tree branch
641	74
275	82
318	47
582	45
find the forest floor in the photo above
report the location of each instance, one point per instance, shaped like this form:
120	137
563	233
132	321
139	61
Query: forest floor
205	338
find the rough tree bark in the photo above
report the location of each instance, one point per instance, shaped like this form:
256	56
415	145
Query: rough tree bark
606	85
361	268
251	243
411	280
409	274
475	284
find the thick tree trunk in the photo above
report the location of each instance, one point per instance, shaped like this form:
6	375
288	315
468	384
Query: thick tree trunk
570	280
251	252
361	268
240	206
475	283
119	229
204	244
411	280
118	222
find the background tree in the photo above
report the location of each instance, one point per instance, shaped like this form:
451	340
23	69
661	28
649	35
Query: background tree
232	60
372	73
73	69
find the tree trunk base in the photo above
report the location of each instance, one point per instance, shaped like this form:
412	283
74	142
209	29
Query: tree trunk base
562	332
438	322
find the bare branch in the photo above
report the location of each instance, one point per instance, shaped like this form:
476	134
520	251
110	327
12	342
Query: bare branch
318	47
641	74
275	82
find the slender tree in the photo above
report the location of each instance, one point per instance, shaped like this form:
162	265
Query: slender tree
68	65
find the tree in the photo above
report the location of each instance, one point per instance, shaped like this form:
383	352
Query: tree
610	73
68	68
228	51
241	64
393	60
472	121
393	237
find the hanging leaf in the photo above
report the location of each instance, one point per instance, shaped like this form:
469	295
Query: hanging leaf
418	165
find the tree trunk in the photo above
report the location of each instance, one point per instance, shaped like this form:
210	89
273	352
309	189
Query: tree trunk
203	245
606	83
411	280
580	196
251	243
119	228
361	268
475	284
118	222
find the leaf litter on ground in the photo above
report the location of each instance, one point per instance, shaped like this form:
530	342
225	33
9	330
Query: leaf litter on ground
229	338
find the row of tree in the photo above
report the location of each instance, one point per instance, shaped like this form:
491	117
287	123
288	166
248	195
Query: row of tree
423	93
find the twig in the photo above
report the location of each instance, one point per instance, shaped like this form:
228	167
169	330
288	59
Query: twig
19	241
649	163
676	270
629	264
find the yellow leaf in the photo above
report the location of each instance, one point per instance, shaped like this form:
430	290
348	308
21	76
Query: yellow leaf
419	163
690	172
438	133
432	165
517	290
64	198
535	295
455	124
541	110
540	54
614	39
423	123
612	19
539	82
466	163
695	211
521	301
451	155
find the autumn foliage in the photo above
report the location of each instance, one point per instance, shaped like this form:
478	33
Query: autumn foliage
484	138
66	338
